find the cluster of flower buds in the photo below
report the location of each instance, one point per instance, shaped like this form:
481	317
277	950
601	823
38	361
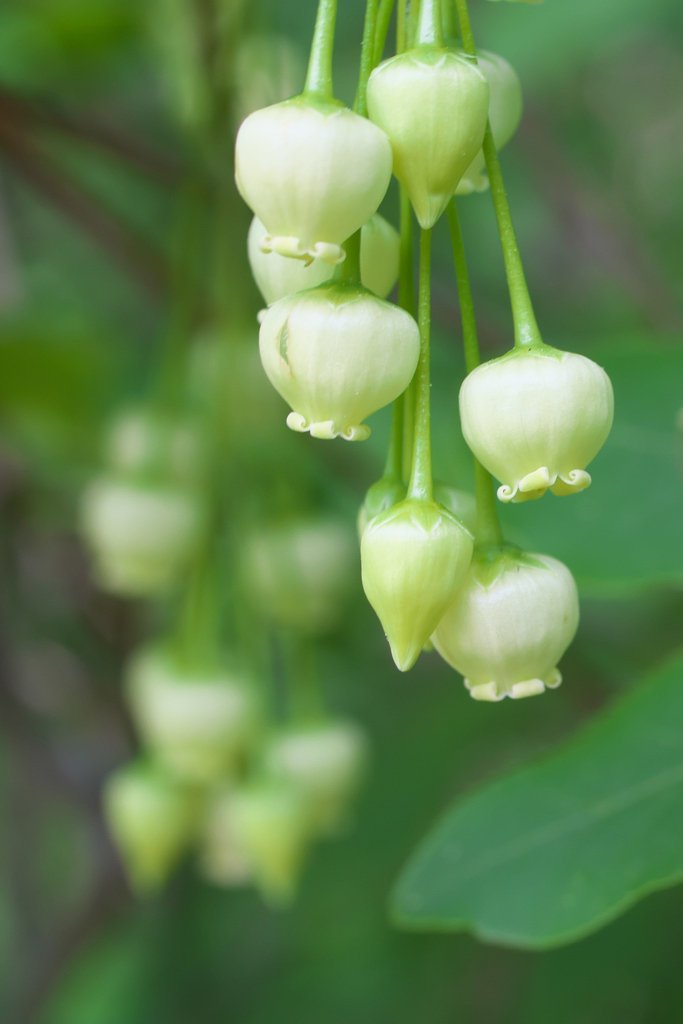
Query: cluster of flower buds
143	517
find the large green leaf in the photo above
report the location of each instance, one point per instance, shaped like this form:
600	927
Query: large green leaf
553	851
623	533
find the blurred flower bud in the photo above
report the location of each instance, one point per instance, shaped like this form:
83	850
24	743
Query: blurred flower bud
535	418
505	111
510	624
462	504
152	819
143	444
414	558
383	494
299	573
223	860
141	537
433	105
337	354
271	825
268	69
313	173
278	276
325	762
196	724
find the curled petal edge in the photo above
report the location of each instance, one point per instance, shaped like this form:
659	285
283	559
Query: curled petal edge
289	245
534	485
326	430
526	688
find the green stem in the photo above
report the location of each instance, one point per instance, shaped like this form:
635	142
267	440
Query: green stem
489	532
526	327
412	24
406	300
421	486
430	25
448	16
394	463
367	57
348	272
383	18
319	77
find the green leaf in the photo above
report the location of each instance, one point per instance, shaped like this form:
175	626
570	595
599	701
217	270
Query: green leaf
623	534
555	850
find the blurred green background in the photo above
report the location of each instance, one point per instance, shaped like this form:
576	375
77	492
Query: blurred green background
91	159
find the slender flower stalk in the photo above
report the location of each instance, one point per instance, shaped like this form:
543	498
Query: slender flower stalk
384	13
367	57
319	77
420	486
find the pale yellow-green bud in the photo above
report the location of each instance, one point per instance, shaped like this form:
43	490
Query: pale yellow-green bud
325	763
141	537
270	821
313	173
222	858
142	444
535	418
414	558
433	105
510	624
152	819
278	276
337	354
505	111
196	724
299	573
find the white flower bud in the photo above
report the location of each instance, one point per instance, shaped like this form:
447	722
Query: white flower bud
337	354
140	442
325	763
433	105
278	276
414	558
300	573
535	418
223	859
141	537
505	111
314	173
270	822
152	819
195	724
510	624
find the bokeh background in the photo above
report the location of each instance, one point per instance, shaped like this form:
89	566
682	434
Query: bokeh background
91	159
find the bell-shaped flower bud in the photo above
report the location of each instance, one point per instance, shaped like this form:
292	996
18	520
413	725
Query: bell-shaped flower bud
141	536
196	724
505	112
510	624
433	104
462	504
414	558
325	762
278	276
535	418
313	172
142	443
270	821
299	573
223	859
336	354
152	819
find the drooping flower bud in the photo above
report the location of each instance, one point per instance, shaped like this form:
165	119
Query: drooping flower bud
433	104
278	276
223	859
153	820
535	418
510	624
141	536
271	825
414	558
196	724
505	111
313	172
144	444
299	573
325	763
337	354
